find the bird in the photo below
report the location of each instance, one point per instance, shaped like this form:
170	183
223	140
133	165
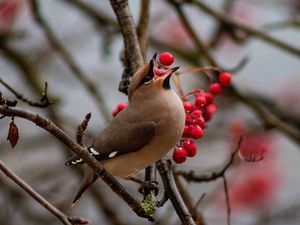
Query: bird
143	132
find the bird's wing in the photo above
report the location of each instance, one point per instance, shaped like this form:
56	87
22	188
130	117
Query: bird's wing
124	138
118	139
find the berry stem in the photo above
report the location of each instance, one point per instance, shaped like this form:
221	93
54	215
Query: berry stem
200	69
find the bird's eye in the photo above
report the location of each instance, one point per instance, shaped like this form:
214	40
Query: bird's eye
147	80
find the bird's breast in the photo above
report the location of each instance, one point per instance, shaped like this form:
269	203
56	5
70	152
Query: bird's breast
168	113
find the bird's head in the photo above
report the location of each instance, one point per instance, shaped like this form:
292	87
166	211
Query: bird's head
149	78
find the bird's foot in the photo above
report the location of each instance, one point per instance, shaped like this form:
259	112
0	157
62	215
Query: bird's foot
148	186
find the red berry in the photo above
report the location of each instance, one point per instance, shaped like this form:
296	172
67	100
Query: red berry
209	98
166	58
187	106
190	147
196	131
200	122
114	113
193	107
215	89
186	131
200	101
179	155
188	119
121	106
225	79
210	111
196	113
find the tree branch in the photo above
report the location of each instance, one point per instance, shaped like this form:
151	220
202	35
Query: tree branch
36	196
227	199
190	176
248	30
166	174
132	58
199	44
43	103
89	85
143	25
197	216
49	126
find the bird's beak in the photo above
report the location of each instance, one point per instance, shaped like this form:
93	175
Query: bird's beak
162	76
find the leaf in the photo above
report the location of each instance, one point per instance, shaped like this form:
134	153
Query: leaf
149	205
13	134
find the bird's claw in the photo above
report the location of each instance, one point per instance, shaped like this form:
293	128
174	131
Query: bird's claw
149	186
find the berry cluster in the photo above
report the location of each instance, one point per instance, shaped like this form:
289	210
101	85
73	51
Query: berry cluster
197	114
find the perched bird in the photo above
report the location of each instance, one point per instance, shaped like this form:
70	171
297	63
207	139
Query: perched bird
143	132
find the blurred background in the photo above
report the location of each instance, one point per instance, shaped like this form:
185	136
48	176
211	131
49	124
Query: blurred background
261	193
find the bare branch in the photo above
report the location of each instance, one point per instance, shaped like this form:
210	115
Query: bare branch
197	216
197	41
132	59
36	196
166	174
143	24
43	103
81	128
248	30
49	126
227	199
190	176
89	85
132	49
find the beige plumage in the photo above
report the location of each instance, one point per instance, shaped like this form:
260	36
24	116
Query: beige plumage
143	132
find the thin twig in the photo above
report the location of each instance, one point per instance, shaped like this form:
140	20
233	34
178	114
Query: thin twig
199	44
36	196
43	103
92	12
143	25
199	200
197	216
7	102
31	74
248	30
227	199
109	210
268	119
289	23
49	126
200	69
89	85
166	174
81	128
191	176
217	33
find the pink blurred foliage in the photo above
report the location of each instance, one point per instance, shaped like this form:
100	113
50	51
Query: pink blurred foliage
9	13
253	184
255	187
256	144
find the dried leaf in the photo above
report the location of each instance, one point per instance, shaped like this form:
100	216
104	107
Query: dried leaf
13	134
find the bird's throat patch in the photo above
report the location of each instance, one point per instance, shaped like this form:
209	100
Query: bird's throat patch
166	83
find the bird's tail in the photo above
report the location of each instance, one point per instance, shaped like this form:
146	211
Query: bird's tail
88	179
76	160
